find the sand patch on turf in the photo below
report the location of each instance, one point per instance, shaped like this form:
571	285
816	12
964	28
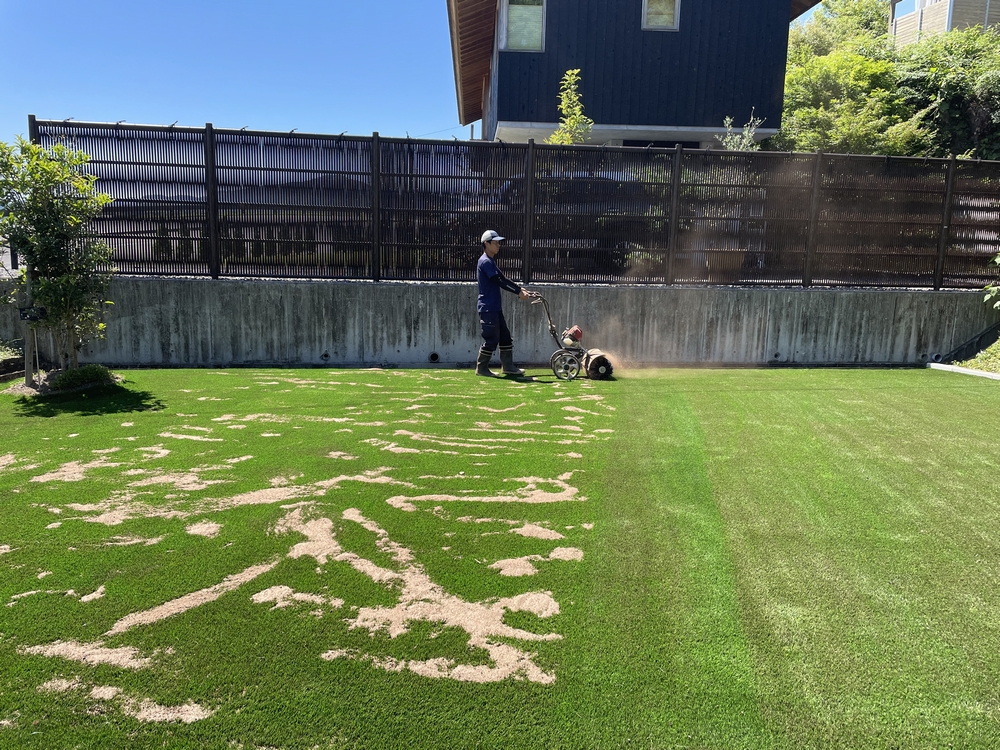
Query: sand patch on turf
190	601
530	493
94	595
59	685
8	459
522	566
395	447
341	455
124	505
199	438
182	480
154	451
501	411
125	657
491	443
371	476
423	600
128	541
5	548
120	507
208	529
537	532
320	543
74	471
143	709
578	410
285	596
148	711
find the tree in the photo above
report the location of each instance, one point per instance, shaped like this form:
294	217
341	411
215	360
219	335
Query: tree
574	126
849	89
858	25
846	102
47	203
953	80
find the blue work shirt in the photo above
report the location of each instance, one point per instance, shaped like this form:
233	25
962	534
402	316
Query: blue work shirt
489	291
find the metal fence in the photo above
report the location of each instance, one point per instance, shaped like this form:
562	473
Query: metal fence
212	202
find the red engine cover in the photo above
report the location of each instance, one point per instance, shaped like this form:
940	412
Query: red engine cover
576	332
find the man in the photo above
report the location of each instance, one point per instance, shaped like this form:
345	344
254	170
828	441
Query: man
490	306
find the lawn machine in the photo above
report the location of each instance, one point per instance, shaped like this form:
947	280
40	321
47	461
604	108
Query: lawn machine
570	357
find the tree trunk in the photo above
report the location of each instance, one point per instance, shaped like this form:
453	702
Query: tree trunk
60	349
73	345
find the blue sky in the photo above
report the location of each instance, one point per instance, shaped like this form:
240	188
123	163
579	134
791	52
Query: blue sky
321	67
318	66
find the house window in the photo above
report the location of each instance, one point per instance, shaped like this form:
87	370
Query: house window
660	14
524	25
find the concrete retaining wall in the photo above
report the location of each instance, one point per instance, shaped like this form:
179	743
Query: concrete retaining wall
200	322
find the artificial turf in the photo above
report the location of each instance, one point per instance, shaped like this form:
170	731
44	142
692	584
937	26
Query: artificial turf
778	558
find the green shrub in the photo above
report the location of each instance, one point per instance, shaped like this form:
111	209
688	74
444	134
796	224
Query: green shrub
10	349
83	375
988	360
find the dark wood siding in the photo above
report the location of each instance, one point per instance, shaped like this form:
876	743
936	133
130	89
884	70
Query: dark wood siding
726	57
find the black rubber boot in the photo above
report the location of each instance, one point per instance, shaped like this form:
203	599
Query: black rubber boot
483	364
507	362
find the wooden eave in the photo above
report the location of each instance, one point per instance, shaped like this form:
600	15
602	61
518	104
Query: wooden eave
473	30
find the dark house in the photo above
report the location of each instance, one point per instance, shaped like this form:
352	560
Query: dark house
653	71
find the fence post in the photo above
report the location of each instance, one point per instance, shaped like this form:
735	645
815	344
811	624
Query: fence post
529	209
212	203
376	164
675	202
807	271
945	225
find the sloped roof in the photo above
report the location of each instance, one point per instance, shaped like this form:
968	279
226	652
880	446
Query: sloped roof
801	6
473	26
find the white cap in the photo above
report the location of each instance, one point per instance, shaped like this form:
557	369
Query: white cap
489	235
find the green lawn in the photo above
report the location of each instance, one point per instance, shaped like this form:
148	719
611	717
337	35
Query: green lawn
316	558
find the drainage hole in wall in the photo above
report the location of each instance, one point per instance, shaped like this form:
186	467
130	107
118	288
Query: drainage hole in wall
434	357
937	357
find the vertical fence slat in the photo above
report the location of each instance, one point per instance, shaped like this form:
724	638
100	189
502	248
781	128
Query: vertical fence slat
675	202
212	203
529	209
376	207
817	178
945	224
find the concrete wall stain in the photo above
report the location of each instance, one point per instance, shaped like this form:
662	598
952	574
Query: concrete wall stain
231	322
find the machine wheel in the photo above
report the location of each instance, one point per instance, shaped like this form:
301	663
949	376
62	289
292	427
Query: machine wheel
565	365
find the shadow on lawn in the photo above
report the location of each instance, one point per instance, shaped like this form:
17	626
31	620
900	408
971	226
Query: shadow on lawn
104	399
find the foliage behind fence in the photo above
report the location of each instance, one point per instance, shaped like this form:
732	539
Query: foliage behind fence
202	201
